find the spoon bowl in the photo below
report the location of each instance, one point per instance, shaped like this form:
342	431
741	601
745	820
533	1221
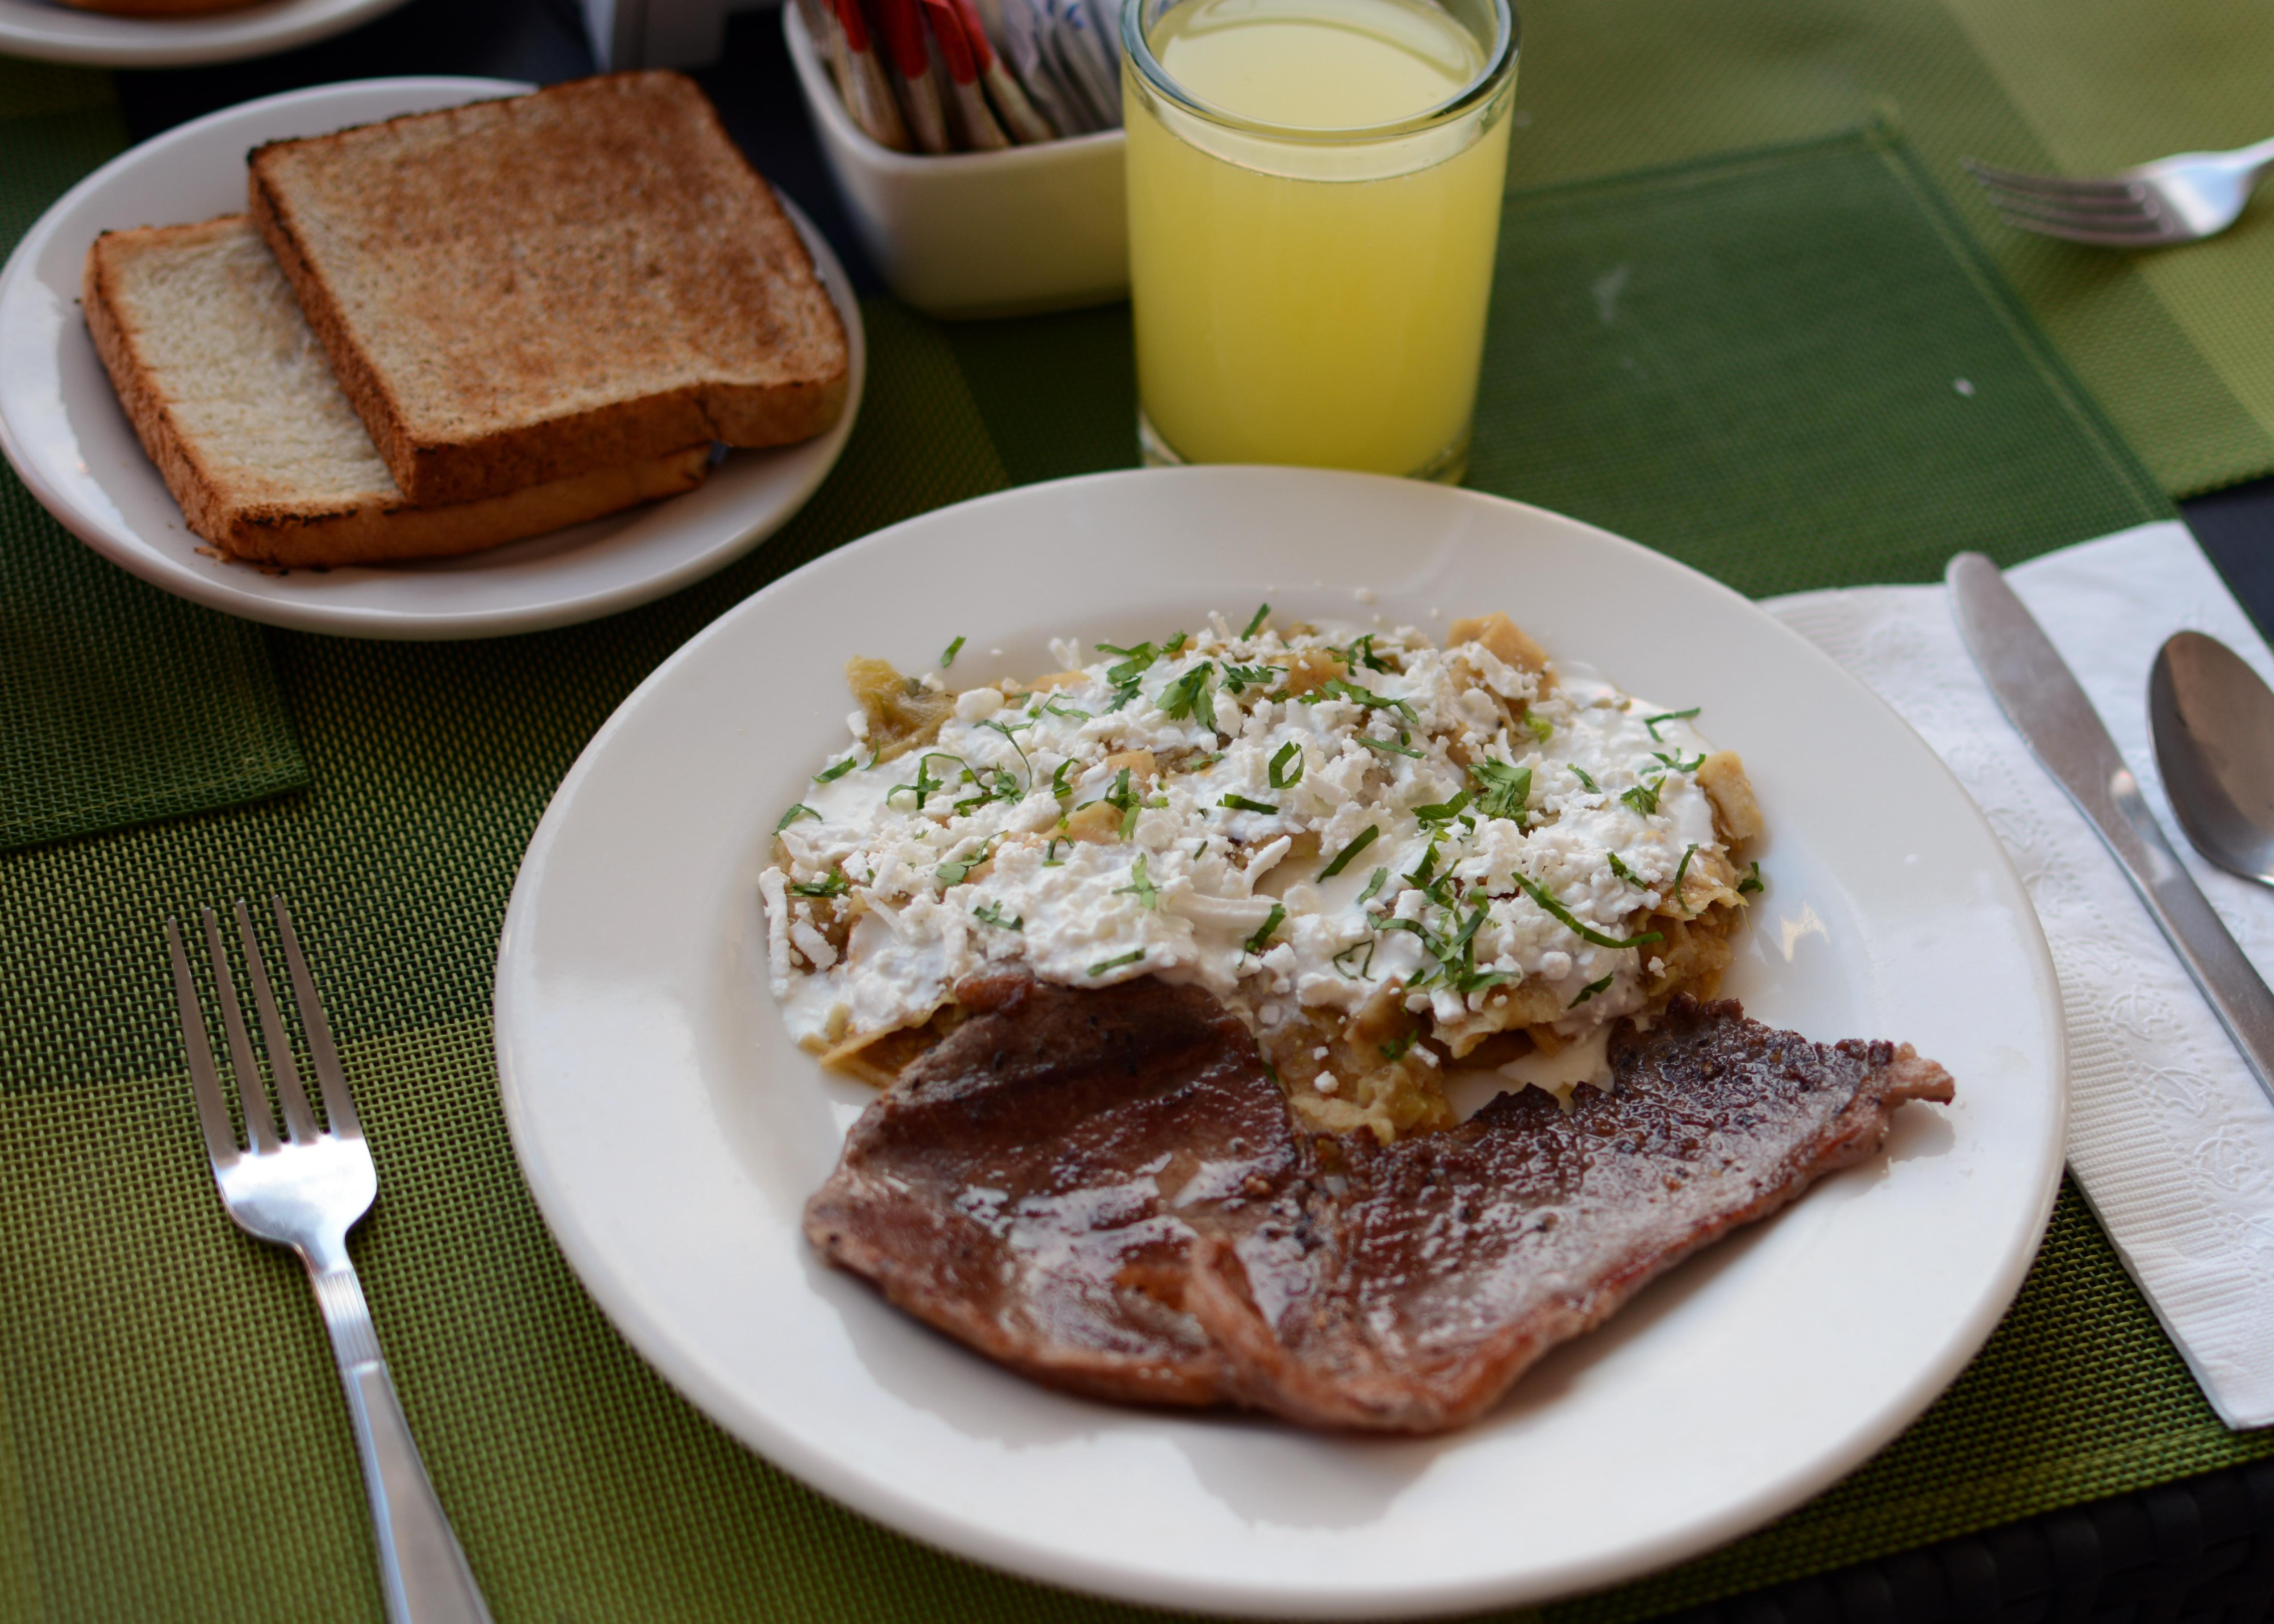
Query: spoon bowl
2212	718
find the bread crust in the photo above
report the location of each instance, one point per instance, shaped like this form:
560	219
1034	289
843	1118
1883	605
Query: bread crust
190	482
389	532
516	290
379	526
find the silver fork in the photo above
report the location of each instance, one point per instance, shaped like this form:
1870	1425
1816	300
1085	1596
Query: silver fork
2182	199
305	1191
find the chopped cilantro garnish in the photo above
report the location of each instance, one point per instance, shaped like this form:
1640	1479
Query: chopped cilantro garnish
953	871
1241	803
1104	965
1140	885
1643	797
1532	889
831	884
1426	868
1542	729
830	775
926	785
1135	663
948	658
1676	764
1261	939
1373	885
1364	970
1342	859
1239	677
796	812
1394	1050
1172	645
1050	858
1446	811
1194	763
1590	990
1682	868
1505	788
1625	873
1255	622
1126	800
1336	688
1585	782
1652	722
1122	694
1059	787
1752	882
991	913
1188	696
1073	711
1290	751
1361	653
1387	749
996	785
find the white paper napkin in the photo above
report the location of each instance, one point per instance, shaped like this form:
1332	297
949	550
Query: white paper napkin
2170	1136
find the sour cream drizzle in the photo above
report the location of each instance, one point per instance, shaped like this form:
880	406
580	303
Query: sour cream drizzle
1205	887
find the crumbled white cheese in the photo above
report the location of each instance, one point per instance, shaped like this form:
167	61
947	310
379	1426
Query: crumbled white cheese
960	857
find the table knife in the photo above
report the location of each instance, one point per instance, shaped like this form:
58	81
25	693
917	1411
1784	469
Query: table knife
2041	698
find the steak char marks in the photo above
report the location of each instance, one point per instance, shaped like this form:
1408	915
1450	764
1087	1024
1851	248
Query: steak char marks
1104	1190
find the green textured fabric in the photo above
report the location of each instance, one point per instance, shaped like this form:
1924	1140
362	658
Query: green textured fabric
2178	346
172	1440
1792	368
117	703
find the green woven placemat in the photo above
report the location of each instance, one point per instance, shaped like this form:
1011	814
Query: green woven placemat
117	703
2178	345
172	1440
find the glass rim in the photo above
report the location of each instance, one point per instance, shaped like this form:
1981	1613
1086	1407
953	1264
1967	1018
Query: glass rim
1139	51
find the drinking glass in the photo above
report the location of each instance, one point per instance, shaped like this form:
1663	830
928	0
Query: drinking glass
1312	295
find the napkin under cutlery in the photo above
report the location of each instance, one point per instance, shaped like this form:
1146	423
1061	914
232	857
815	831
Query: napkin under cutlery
2169	1135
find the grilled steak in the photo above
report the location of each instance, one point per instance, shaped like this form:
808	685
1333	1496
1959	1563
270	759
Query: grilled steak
1104	1190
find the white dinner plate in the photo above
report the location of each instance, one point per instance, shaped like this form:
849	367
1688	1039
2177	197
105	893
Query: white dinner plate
61	426
671	1133
52	32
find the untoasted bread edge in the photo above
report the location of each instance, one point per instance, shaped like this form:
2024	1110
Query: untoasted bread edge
620	432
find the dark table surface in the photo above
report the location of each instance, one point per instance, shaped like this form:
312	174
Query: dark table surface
2197	1552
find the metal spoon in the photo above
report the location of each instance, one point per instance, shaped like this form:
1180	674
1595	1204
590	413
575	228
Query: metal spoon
2213	721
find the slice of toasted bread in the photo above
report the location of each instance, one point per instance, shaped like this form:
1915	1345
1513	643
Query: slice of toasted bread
519	290
233	402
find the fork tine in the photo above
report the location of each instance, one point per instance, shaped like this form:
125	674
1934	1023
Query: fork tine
2048	185
205	1082
299	1121
259	1125
339	1104
2113	211
2161	232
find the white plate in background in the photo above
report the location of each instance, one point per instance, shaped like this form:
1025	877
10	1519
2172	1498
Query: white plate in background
52	32
671	1133
61	426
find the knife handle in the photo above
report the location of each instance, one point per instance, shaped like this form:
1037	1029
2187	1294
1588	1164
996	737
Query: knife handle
2230	983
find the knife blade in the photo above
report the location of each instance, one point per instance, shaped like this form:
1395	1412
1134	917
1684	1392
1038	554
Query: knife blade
2042	698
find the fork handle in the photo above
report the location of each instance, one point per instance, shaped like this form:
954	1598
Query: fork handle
423	1573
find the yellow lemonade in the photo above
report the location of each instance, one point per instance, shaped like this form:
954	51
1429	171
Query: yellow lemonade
1310	232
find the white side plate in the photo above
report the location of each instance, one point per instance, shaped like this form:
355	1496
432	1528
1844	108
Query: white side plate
52	32
672	1133
61	426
